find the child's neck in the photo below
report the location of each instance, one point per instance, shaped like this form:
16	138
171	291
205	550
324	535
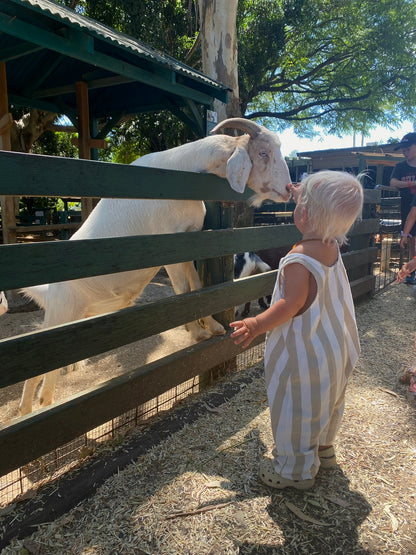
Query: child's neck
311	237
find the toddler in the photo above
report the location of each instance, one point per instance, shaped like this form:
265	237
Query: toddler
312	342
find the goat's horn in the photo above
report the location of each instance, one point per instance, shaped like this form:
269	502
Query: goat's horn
250	127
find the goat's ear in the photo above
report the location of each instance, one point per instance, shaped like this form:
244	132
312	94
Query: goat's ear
238	169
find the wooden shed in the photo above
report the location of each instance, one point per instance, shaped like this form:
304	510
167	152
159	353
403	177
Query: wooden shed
377	160
56	60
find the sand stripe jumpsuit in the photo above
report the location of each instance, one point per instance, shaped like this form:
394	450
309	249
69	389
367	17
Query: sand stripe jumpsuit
307	363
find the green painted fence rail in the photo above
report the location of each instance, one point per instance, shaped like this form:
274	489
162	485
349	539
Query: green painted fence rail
22	265
54	261
31	175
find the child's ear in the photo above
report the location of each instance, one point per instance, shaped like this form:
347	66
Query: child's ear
304	214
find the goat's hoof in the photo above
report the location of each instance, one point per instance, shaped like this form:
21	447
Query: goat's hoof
45	402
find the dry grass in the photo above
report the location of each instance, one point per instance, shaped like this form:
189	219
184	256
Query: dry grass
198	492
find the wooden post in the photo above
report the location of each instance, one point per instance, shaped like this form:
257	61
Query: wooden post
220	215
7	202
84	137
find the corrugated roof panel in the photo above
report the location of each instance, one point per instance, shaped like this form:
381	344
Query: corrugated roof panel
48	48
61	13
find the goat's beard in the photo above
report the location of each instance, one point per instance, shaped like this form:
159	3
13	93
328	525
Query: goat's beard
256	200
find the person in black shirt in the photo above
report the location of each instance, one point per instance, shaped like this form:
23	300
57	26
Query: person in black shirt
403	178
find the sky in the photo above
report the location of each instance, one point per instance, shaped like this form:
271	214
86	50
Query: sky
291	142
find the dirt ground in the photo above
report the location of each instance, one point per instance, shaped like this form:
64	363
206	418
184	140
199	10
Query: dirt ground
97	369
197	491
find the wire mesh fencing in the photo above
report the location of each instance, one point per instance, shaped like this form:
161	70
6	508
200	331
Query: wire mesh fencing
390	255
23	482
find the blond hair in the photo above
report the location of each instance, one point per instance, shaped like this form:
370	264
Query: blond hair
333	200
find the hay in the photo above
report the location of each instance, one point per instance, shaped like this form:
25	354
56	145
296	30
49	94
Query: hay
198	492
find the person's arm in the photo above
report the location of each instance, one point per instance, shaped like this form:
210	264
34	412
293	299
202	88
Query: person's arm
409	223
296	293
398	184
406	270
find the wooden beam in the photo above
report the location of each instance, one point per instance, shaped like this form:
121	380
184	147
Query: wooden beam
6	121
95	84
383	162
84	138
45	227
83	120
19	51
5	143
20	100
61	422
74	45
31	354
53	260
36	175
34	82
361	257
92	143
7	202
363	286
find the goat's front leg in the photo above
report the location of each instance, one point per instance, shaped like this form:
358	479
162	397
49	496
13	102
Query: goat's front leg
48	388
184	278
46	394
26	401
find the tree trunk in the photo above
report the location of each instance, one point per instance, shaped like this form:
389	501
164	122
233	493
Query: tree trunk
29	128
219	50
218	38
218	31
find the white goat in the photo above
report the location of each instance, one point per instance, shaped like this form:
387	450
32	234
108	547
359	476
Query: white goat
3	303
252	160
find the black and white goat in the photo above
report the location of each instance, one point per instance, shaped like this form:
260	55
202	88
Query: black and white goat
253	160
252	263
248	264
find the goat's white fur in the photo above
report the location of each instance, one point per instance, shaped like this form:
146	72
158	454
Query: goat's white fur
3	303
254	160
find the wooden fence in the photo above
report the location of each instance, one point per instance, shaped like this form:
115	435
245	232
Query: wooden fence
24	356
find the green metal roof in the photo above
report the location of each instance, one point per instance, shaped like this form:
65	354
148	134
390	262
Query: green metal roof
48	48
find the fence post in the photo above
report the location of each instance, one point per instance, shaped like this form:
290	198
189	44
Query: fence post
361	242
220	215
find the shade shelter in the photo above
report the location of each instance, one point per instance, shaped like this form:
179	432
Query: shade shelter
59	61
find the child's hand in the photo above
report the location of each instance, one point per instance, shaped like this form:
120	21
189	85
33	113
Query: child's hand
244	331
404	271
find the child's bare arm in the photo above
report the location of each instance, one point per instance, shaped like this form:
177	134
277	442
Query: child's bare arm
296	293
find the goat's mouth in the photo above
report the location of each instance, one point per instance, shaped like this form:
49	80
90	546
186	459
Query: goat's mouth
270	194
281	196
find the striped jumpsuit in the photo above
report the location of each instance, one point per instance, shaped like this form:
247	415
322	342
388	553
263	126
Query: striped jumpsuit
308	360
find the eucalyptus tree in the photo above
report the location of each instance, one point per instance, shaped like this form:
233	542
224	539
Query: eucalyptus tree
341	65
344	65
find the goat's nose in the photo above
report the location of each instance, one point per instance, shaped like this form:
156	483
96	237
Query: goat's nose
289	187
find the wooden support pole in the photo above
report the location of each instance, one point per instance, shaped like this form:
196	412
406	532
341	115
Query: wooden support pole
84	138
8	206
83	120
93	143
